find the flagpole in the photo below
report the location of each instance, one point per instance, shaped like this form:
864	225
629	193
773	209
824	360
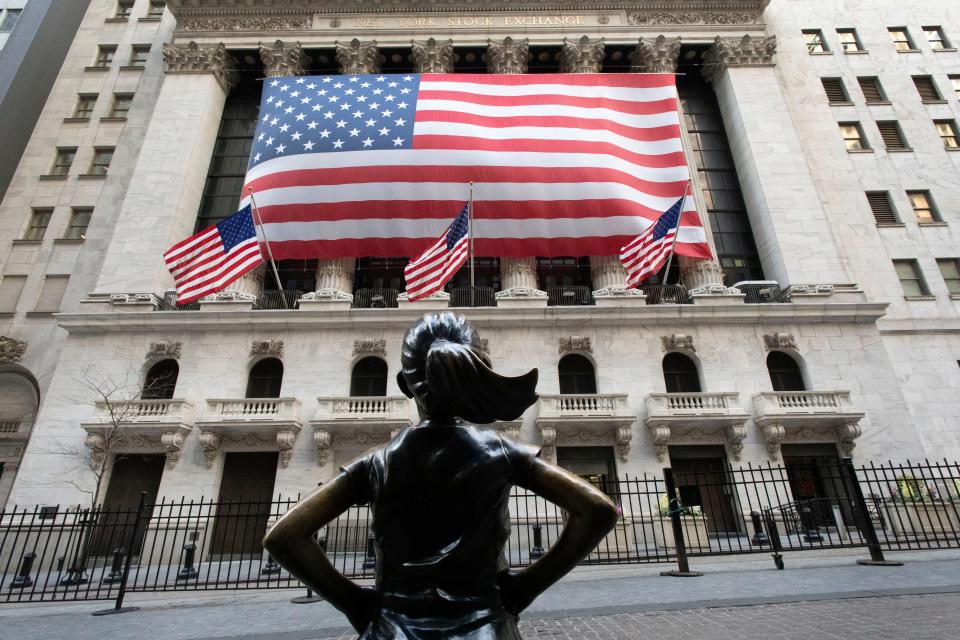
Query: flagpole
666	274
273	264
470	231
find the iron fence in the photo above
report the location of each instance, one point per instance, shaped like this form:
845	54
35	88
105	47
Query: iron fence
666	294
375	299
761	291
49	553
473	297
169	303
568	296
278	299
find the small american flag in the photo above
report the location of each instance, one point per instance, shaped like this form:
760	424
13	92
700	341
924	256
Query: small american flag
210	260
646	254
428	273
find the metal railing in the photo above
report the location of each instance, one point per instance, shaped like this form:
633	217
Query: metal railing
375	299
666	294
761	291
569	296
278	299
473	297
76	553
169	303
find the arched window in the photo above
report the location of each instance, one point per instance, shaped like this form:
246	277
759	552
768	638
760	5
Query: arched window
369	378
161	381
577	375
784	372
680	373
265	379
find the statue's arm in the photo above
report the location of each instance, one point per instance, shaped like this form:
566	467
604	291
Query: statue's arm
591	515
291	542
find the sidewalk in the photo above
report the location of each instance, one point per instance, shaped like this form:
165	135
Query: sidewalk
586	593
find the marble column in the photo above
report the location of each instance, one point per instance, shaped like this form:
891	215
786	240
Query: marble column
778	185
660	55
433	56
335	275
518	276
167	182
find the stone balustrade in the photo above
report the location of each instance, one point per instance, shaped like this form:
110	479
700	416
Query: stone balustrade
695	418
807	416
593	418
142	410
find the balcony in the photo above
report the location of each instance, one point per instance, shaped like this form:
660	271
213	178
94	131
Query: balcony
357	422
585	419
140	426
569	296
375	299
695	418
12	431
666	294
807	416
762	291
250	423
473	297
270	300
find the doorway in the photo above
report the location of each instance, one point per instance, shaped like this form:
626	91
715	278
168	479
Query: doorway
246	490
700	473
131	475
817	482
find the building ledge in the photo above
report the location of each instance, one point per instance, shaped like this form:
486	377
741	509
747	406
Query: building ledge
572	419
697	418
249	424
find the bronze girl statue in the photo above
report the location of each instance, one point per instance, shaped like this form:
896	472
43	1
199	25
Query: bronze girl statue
438	496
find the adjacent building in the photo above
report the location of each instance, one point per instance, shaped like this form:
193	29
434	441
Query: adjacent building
824	140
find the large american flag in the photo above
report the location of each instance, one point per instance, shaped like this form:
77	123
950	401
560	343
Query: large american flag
428	273
208	261
372	165
646	254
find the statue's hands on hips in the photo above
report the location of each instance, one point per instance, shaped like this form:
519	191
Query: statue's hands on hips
363	609
514	594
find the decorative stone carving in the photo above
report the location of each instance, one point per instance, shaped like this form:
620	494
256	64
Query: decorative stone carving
743	52
645	18
135	301
847	435
581	56
441	296
520	292
623	437
370	347
661	439
772	436
779	341
272	348
172	443
678	342
607	272
210	443
716	290
735	436
698	274
508	56
229	296
358	57
194	58
575	343
285	440
360	440
282	59
548	442
656	56
621	291
253	24
164	350
98	449
11	349
327	295
323	442
433	56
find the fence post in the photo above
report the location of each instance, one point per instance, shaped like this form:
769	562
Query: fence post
131	543
536	551
775	540
866	522
683	566
759	537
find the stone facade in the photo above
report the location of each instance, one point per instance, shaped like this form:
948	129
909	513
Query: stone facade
889	363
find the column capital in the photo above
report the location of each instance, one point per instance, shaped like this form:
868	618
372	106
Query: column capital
433	56
738	52
656	56
508	56
191	57
358	57
581	56
283	59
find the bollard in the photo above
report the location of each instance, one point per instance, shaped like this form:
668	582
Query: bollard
76	575
187	571
116	567
271	568
775	540
370	558
759	537
811	534
536	551
23	579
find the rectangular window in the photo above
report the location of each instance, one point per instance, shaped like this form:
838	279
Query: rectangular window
79	221
950	270
836	92
85	104
10	289
908	271
815	41
853	136
102	156
882	208
121	105
37	226
872	90
948	133
156	9
923	206
927	89
138	55
104	56
937	39
892	136
52	294
849	40
10	18
955	81
901	39
63	161
124	9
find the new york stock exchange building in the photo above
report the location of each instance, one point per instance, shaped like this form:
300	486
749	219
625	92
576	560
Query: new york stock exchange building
822	141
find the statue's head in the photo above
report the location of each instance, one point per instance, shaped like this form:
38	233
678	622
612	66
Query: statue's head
443	368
